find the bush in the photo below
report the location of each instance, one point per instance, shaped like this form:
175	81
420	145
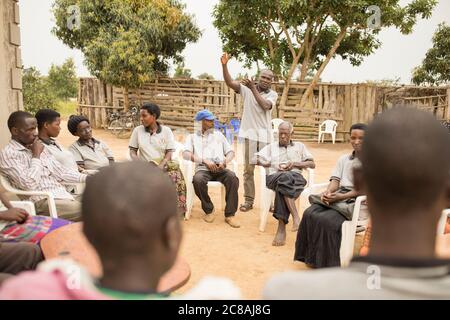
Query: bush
37	93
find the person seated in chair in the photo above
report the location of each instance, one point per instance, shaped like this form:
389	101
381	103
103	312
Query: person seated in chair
319	236
286	160
18	257
30	166
16	225
49	127
89	153
211	152
130	218
155	143
405	175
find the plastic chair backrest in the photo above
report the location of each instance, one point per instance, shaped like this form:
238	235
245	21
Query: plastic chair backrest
330	125
236	124
276	123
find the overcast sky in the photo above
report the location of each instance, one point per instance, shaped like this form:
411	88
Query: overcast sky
398	55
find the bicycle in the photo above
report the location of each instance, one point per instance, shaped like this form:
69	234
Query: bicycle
121	124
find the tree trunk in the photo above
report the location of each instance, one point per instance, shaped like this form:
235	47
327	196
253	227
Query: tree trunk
316	78
305	65
126	99
287	82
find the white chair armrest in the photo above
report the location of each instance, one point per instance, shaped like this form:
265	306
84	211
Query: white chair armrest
28	206
50	199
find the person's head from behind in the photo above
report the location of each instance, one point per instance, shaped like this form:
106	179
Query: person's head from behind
285	130
22	126
405	171
357	132
80	127
149	114
49	122
129	213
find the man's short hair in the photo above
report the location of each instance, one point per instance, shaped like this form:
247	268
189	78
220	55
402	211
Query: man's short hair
405	158
287	123
152	109
17	118
125	207
358	126
44	116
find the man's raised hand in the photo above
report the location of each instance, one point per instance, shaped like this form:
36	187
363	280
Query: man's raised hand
225	58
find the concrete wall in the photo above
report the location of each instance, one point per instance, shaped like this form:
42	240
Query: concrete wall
10	64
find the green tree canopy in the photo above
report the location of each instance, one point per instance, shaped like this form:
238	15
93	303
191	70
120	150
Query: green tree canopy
435	68
63	80
287	34
182	72
205	76
126	42
37	93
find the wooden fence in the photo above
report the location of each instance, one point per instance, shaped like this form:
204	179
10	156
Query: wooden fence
181	99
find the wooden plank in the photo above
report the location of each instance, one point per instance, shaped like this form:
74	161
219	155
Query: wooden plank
447	112
320	106
332	105
354	103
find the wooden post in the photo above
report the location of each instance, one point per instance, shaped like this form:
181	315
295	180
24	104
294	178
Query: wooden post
447	112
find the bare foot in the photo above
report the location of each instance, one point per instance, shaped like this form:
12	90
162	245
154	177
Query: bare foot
280	237
296	224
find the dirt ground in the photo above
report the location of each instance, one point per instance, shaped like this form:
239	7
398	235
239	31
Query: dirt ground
243	255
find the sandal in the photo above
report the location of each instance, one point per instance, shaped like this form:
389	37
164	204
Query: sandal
246	207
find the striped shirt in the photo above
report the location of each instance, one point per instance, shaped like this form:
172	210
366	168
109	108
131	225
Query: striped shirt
32	174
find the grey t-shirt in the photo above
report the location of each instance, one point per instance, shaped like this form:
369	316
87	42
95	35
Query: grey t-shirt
256	122
364	279
343	172
152	147
93	158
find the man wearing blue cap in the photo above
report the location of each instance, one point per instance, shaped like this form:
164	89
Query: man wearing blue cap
256	124
211	152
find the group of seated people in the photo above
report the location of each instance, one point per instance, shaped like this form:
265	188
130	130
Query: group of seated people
405	197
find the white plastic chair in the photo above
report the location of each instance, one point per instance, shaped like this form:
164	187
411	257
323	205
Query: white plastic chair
329	127
267	196
28	206
348	227
187	168
443	221
50	199
275	124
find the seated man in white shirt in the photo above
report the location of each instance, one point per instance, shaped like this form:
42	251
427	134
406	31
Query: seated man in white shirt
405	175
30	166
285	161
211	152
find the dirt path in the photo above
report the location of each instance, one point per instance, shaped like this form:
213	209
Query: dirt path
244	255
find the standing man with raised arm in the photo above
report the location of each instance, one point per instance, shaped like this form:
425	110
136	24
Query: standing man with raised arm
256	125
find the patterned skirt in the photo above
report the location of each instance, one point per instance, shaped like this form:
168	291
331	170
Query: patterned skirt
32	230
174	172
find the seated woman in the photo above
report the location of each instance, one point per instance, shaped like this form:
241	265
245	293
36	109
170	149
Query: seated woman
89	153
16	225
155	143
49	126
319	236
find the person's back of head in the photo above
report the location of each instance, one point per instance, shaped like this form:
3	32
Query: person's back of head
405	174
129	212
